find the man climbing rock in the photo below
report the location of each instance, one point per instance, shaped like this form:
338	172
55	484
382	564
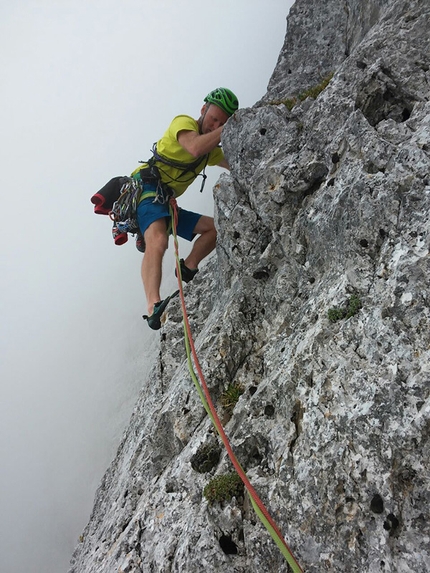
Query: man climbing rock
183	153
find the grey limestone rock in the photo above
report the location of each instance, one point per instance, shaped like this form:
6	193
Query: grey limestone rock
318	304
321	35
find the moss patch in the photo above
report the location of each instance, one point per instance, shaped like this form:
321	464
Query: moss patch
224	488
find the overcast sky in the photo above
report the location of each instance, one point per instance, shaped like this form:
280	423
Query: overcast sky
86	87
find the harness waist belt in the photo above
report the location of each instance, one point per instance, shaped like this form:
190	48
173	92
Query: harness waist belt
147	195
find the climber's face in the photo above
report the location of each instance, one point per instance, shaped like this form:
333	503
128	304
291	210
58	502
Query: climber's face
211	118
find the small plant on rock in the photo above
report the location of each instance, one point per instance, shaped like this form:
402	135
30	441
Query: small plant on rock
224	488
231	395
350	309
312	92
334	314
354	305
315	91
289	103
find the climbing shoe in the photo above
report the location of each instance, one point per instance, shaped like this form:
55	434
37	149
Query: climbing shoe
154	321
186	273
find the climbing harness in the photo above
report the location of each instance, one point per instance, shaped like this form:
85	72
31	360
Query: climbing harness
186	168
205	397
120	197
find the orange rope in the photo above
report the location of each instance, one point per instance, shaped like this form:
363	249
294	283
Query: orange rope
268	521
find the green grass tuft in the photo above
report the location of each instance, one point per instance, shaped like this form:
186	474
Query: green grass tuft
312	92
231	395
315	91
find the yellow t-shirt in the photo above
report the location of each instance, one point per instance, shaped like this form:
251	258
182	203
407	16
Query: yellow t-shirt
169	147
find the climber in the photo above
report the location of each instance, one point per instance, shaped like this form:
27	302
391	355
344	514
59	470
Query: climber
183	153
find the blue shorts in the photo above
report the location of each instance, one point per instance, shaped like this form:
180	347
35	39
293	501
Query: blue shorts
148	212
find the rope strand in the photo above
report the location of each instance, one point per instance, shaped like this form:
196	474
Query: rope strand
204	394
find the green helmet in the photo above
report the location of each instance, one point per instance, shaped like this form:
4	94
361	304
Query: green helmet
224	99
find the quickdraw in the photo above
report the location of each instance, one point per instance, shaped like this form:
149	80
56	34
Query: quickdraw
123	213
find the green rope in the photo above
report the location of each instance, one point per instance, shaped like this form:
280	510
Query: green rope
257	504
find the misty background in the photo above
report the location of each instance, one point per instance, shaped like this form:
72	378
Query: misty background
86	88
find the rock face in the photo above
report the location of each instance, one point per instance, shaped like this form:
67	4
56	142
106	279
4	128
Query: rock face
320	36
318	304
